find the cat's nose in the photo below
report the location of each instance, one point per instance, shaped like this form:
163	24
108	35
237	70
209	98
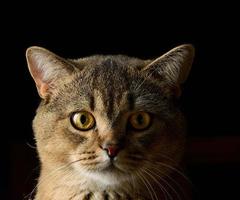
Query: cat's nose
112	150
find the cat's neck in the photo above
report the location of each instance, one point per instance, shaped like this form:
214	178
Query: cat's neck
63	184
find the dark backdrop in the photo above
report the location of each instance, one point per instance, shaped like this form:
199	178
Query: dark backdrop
210	96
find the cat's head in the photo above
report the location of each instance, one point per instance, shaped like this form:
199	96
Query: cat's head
107	117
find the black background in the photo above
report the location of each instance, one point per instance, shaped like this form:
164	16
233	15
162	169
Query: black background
210	96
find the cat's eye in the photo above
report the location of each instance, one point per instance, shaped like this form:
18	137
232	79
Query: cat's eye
140	121
82	120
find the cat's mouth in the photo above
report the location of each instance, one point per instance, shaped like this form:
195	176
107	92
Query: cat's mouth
111	166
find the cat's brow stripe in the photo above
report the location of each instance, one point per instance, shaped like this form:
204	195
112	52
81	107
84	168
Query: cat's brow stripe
110	104
92	102
131	101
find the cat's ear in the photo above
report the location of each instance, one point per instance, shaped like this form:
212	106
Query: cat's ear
46	68
174	66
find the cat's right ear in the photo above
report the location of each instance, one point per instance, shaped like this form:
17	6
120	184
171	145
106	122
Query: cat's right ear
45	68
172	68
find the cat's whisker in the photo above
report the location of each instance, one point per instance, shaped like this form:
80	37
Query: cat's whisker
139	175
149	184
68	175
162	188
133	184
175	170
167	157
170	178
175	163
31	146
166	182
170	168
29	196
51	175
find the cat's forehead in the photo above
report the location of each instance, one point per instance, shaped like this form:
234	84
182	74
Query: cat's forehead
110	75
111	86
108	84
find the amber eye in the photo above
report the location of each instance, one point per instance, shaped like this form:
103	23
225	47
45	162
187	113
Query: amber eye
82	120
140	120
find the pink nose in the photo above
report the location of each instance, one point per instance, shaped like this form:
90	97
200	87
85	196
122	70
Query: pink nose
112	151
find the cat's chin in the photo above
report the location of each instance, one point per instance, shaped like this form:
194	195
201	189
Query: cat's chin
111	169
109	174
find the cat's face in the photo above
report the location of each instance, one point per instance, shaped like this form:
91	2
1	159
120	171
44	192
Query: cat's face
107	117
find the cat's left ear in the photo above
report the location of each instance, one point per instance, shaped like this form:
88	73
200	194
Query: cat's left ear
46	69
172	67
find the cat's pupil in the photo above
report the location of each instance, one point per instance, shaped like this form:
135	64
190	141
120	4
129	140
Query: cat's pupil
83	119
140	119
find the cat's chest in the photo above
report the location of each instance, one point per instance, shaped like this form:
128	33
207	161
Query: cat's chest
86	194
92	191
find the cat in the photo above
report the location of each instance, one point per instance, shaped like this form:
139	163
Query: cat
108	126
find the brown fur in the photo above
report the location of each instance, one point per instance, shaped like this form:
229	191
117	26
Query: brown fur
112	88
